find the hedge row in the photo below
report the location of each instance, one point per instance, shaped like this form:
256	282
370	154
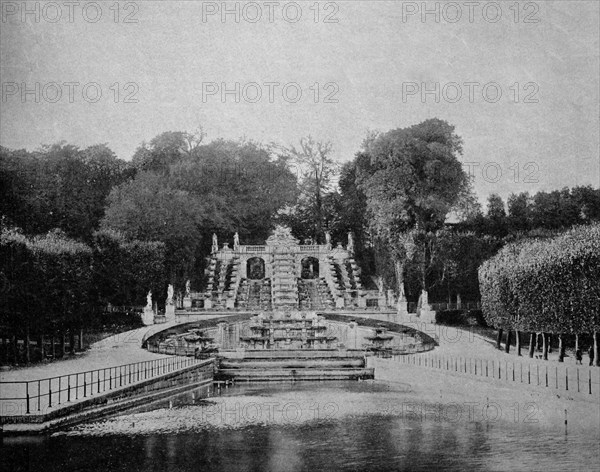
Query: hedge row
51	283
550	286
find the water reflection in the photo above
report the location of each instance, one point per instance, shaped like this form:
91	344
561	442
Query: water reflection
365	432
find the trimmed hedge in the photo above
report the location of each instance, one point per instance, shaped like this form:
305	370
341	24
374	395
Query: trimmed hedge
548	286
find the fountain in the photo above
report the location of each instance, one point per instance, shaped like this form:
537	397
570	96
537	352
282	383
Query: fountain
288	330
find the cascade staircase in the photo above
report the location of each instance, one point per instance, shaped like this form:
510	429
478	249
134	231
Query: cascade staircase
325	294
284	284
223	282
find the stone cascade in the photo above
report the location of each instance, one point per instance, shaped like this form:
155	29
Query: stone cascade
325	294
228	281
305	299
213	270
288	333
335	272
223	282
336	282
285	274
314	295
243	294
231	282
308	295
343	279
291	346
284	286
355	273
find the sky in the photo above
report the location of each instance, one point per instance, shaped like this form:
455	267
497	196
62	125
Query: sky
520	81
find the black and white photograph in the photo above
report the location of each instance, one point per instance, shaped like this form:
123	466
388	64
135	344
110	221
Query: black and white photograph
302	235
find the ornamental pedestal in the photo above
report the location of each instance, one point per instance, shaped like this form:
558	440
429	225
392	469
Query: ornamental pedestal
148	316
170	312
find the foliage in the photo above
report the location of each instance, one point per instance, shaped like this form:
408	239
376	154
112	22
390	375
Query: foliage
58	186
222	187
545	285
460	317
54	283
318	205
49	281
411	178
125	270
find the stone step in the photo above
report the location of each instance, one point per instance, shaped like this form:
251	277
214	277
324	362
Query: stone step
257	375
294	363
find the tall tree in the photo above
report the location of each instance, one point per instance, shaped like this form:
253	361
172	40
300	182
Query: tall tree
412	178
317	168
519	212
59	186
496	216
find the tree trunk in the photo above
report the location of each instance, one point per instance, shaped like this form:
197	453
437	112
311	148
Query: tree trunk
549	342
596	349
499	339
27	347
72	342
62	344
532	340
537	342
52	340
561	348
518	342
545	346
576	343
81	339
508	340
42	348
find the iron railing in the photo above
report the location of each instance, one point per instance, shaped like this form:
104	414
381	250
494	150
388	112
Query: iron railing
575	379
38	395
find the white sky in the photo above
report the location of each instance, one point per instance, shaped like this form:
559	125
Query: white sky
368	54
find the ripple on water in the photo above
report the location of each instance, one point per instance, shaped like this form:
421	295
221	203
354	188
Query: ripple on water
350	426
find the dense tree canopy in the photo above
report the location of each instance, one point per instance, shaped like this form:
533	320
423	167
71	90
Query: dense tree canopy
58	186
411	178
222	187
550	285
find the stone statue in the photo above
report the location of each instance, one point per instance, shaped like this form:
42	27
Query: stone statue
350	242
236	242
282	236
170	294
215	244
188	288
401	293
149	300
424	298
